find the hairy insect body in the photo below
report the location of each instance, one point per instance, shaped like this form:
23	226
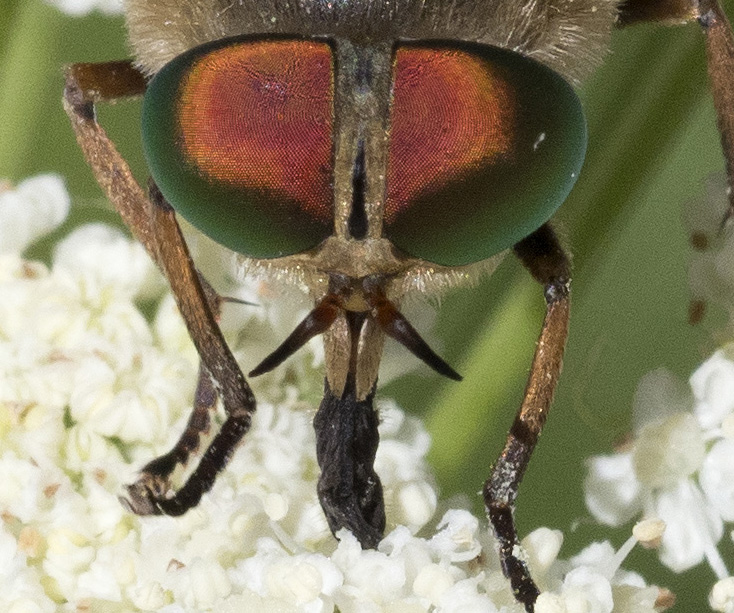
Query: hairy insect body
570	36
367	152
416	154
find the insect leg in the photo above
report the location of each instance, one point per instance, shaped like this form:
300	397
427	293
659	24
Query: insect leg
198	312
154	224
719	56
543	256
156	473
87	84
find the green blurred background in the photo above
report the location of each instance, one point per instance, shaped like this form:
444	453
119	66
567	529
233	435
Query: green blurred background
652	144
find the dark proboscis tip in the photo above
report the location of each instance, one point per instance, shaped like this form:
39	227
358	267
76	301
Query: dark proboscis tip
395	325
316	322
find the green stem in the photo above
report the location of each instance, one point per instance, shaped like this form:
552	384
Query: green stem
29	57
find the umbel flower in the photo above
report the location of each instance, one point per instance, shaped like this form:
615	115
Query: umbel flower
679	465
91	388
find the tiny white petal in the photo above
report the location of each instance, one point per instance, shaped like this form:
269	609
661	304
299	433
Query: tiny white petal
542	546
713	387
377	577
659	395
668	451
331	576
149	597
100	580
717	478
586	590
416	504
392	419
692	527
276	506
22	486
84	445
721	597
295	581
464	597
432	581
416	553
550	603
35	207
601	558
69	554
611	489
110	257
199	584
457	536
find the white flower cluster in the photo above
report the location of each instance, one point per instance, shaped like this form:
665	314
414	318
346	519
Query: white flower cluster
45	196
678	468
78	8
91	389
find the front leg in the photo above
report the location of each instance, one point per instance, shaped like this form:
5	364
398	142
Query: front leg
543	256
155	475
719	58
154	224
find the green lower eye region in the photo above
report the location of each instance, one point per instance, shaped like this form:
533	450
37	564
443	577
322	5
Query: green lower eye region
238	137
485	145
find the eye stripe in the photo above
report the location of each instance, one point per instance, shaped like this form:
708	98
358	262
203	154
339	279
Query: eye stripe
358	222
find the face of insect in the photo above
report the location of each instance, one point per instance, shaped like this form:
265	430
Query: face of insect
319	140
364	150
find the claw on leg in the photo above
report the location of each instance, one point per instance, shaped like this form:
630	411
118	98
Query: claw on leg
153	485
153	222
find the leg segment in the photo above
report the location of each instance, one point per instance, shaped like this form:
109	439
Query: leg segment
719	56
195	302
87	84
543	256
156	474
154	224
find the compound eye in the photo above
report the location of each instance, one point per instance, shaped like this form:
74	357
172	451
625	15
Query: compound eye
485	144
238	137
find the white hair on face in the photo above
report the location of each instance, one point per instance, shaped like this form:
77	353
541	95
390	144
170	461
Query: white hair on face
569	36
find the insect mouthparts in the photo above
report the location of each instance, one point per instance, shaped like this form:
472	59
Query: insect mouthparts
387	316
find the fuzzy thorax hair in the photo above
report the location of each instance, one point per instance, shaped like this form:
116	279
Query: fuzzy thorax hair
570	36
